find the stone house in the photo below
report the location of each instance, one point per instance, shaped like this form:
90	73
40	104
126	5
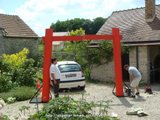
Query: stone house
15	34
140	28
58	45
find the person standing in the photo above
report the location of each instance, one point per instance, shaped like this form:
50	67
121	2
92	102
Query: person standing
135	78
55	77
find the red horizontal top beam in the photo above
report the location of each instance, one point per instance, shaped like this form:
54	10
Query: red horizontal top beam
79	38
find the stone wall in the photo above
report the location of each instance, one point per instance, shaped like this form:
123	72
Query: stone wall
104	72
139	57
1	43
144	62
132	57
10	45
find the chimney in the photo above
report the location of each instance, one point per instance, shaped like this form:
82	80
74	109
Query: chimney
149	10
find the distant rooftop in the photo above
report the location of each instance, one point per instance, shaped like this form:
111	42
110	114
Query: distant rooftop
59	34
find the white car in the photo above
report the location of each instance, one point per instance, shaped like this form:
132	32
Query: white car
71	75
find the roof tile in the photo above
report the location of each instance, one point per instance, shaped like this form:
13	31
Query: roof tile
133	26
14	26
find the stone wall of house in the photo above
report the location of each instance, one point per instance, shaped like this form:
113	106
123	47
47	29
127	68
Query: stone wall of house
132	57
104	72
139	57
1	43
144	62
14	45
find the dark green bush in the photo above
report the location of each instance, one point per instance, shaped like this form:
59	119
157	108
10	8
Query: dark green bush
5	83
20	93
26	75
3	67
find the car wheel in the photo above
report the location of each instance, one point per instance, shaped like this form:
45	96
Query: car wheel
82	87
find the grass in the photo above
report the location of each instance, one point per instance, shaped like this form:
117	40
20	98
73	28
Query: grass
20	93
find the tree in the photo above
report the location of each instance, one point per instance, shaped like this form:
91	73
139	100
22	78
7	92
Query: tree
77	48
88	56
80	51
90	27
97	24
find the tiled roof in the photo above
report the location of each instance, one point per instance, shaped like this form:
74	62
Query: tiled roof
14	26
133	26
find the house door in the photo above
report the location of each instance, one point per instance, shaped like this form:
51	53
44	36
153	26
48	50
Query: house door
125	60
156	71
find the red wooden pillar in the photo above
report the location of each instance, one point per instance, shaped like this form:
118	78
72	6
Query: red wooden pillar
117	62
46	64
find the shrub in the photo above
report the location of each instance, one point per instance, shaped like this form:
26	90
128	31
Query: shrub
20	93
21	69
26	75
5	83
3	67
16	60
66	108
67	105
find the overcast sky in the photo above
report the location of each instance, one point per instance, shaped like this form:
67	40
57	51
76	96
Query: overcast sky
39	14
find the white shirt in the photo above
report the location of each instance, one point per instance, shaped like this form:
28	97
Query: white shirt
54	69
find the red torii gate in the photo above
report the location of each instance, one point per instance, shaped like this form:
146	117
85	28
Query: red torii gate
48	38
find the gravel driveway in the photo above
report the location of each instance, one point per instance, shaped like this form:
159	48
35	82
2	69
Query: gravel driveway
119	105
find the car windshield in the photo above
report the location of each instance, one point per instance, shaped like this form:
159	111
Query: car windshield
69	68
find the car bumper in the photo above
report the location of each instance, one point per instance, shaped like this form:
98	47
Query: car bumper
72	84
